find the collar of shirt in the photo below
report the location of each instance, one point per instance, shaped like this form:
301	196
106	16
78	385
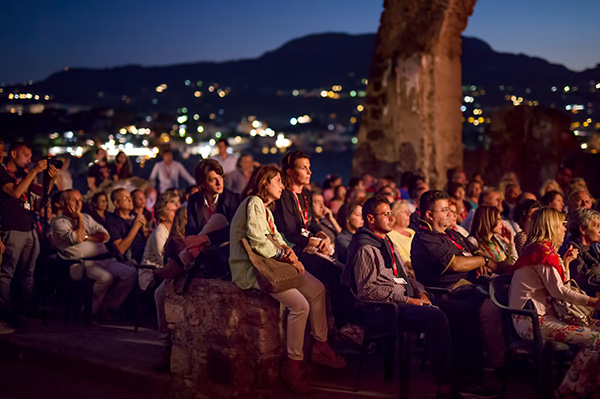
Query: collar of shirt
214	203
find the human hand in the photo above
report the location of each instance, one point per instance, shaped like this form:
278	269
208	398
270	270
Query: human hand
196	241
289	255
52	171
327	213
299	266
41	165
570	255
325	244
415	301
140	220
423	296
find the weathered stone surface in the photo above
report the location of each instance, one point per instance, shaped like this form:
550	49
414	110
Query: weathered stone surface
227	343
412	119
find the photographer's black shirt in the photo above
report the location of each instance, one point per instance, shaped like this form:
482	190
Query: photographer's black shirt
13	215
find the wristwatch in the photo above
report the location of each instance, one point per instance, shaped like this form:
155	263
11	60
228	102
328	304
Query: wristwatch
487	260
86	238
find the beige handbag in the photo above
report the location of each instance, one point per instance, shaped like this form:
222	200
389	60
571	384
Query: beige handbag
272	275
570	313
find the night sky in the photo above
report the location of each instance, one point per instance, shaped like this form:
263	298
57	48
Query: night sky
40	37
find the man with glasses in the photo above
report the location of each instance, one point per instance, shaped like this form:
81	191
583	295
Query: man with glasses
126	230
77	236
443	258
376	271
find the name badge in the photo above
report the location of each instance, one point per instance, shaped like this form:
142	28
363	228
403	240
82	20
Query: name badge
465	253
27	206
400	280
304	232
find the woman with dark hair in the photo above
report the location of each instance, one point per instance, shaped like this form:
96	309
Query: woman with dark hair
253	220
474	189
492	236
456	191
350	219
99	205
122	167
554	199
522	216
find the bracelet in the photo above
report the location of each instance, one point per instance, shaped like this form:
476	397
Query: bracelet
487	260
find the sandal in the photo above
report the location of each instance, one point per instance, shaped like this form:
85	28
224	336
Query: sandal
324	355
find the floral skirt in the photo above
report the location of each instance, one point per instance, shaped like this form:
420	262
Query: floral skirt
555	330
583	378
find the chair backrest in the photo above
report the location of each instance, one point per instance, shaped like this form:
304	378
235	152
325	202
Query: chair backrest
380	318
499	288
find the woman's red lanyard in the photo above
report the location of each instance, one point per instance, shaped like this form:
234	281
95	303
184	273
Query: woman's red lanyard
16	182
271	225
394	267
303	213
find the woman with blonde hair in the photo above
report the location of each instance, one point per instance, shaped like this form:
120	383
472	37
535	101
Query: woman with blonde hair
402	235
540	276
550	185
254	220
493	237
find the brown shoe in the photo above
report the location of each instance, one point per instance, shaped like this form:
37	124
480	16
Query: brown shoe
324	355
291	374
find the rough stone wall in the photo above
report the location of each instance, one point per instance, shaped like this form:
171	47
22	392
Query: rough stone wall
227	343
412	118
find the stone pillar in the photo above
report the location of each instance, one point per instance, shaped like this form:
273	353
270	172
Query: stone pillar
412	118
227	343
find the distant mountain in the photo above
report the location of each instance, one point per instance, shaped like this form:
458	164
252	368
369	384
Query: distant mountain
311	62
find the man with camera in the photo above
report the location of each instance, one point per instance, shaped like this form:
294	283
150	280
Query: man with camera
17	231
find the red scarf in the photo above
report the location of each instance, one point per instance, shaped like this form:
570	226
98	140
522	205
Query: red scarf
541	253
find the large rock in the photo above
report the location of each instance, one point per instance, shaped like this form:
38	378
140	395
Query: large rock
412	118
227	343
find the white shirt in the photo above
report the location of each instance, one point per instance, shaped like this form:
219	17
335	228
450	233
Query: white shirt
155	246
168	176
228	164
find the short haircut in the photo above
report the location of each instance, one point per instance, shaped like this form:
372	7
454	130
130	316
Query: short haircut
522	209
453	188
137	190
371	205
429	198
204	167
65	193
354	182
95	197
288	162
549	197
583	218
487	191
224	141
16	147
115	194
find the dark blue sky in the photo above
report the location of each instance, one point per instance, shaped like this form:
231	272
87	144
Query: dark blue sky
39	37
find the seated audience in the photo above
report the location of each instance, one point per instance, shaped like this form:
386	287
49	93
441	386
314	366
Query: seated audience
122	167
237	180
151	196
254	221
579	198
553	199
329	186
490	197
77	236
474	189
443	258
324	217
100	170
127	240
211	248
489	232
139	208
351	219
457	195
339	197
189	191
584	232
522	216
376	272
550	185
402	235
99	205
540	274
453	222
511	193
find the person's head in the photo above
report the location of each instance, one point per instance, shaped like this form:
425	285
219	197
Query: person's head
222	146
179	223
523	211
356	183
478	177
459	177
165	208
101	155
453	220
401	213
351	216
585	225
71	202
474	189
167	156
511	192
122	200
318	204
564	176
456	191
295	167
245	162
553	199
99	202
368	180
486	223
491	197
121	158
525	195
579	199
189	191
209	176
265	183
339	193
377	215
547	225
20	154
151	195
172	194
139	199
434	209
550	185
387	192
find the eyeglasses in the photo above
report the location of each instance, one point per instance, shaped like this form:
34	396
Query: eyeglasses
386	214
443	210
125	197
564	223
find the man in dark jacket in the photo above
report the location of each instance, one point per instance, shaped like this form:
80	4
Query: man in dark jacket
210	202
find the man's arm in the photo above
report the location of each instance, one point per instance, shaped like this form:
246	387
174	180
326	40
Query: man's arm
123	244
185	174
468	263
17	190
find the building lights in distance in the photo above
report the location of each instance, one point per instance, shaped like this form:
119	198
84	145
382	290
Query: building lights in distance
161	88
300	120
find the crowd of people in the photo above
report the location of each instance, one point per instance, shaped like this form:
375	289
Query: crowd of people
381	238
